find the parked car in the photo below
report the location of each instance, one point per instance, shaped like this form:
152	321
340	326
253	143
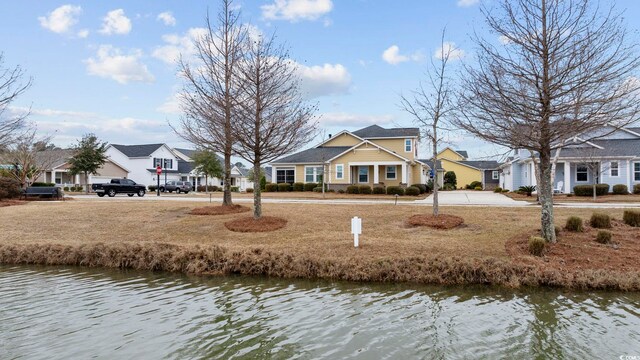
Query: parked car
119	186
177	186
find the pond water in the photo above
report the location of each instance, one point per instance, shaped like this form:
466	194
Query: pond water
79	313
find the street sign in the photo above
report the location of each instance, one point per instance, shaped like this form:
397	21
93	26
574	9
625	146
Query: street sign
158	170
356	230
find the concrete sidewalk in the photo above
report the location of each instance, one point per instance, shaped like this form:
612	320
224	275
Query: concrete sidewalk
472	197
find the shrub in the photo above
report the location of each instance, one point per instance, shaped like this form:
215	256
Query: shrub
42	184
284	187
473	185
235	189
448	187
353	189
478	188
636	189
497	190
364	189
631	217
422	187
310	186
263	182
395	190
249	190
527	189
574	224
214	188
412	191
620	189
317	189
271	187
331	190
536	245
600	221
379	190
450	179
603	236
587	190
557	230
505	190
152	187
298	186
66	188
9	188
202	188
341	191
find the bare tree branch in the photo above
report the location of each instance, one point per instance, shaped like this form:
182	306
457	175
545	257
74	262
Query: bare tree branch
12	85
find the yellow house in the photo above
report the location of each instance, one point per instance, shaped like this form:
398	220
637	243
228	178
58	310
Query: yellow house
369	156
468	171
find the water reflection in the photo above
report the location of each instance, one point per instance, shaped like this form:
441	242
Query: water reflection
51	312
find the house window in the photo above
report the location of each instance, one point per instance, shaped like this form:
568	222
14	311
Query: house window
582	173
363	174
285	176
313	174
58	179
636	171
613	169
157	162
391	172
407	145
168	163
339	171
495	175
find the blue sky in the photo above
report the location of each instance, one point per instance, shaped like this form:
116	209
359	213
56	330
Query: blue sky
106	66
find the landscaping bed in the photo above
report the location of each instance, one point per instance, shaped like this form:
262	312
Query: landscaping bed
219	210
442	221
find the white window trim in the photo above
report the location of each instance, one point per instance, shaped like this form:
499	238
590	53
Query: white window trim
341	171
611	169
410	145
495	175
395	172
315	173
576	177
363	182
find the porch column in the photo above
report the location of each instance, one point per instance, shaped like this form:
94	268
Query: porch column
77	180
189	180
273	175
53	176
376	173
404	172
567	177
629	176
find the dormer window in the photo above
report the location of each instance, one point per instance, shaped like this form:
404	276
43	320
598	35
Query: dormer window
408	145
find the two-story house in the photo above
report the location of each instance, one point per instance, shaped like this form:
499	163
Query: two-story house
369	156
467	171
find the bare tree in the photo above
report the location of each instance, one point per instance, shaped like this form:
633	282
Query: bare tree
275	119
431	108
27	157
209	95
12	85
590	157
562	68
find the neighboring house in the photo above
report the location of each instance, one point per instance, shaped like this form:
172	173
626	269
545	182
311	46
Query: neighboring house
59	173
617	156
141	160
467	171
187	172
371	156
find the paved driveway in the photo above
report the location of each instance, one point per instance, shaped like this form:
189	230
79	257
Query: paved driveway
471	197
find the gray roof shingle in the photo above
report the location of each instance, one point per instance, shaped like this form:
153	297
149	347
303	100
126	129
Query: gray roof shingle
375	131
185	167
430	163
612	147
188	152
462	153
137	150
482	164
313	155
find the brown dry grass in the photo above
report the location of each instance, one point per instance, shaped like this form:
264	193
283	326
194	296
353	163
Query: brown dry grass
249	224
315	243
219	210
9	202
304	195
442	221
563	198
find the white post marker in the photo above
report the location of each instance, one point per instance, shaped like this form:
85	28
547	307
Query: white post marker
356	229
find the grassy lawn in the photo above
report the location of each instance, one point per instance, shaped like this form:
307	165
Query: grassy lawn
300	195
563	198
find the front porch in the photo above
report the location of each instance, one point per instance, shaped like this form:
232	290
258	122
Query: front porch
379	173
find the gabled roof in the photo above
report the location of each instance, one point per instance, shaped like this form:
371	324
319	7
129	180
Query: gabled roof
367	142
187	152
313	155
375	131
605	148
185	167
462	153
133	151
482	165
429	163
55	158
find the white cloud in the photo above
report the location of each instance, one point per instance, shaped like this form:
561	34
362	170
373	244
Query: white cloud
296	10
115	22
170	106
167	18
504	40
450	48
176	45
112	64
352	120
392	56
467	3
83	34
327	79
61	19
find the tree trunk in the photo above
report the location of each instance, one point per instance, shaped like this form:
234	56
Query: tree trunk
545	194
86	182
435	173
594	190
257	193
206	184
226	197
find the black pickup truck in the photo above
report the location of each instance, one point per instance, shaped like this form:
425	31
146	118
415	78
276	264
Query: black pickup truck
119	186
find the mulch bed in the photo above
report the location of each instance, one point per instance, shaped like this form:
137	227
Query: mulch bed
442	221
219	210
249	224
575	251
4	203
